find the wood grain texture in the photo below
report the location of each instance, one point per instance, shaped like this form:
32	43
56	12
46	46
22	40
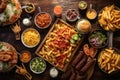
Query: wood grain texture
7	35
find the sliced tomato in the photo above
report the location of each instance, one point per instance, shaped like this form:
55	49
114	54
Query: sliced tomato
60	31
86	49
13	18
93	52
67	36
55	42
60	58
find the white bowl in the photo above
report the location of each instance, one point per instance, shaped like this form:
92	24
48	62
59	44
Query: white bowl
37	72
28	43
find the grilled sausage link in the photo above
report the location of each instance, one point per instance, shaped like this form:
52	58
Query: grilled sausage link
78	58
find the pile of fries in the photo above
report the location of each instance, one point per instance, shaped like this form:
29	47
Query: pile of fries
57	48
109	18
109	60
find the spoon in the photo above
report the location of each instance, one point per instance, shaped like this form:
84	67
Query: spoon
110	39
39	9
90	6
25	6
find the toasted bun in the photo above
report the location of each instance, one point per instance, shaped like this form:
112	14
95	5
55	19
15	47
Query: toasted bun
84	26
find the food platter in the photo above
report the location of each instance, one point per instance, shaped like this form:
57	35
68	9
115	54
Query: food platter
8	57
11	13
57	47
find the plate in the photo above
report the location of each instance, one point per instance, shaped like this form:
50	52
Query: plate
11	14
60	44
8	57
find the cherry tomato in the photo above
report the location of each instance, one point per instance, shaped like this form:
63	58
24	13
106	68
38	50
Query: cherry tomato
93	52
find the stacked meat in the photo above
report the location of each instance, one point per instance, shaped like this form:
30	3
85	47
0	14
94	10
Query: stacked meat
79	67
8	56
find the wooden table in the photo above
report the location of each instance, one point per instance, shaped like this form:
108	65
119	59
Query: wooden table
7	35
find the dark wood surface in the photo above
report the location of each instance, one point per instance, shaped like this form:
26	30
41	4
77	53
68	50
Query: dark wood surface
7	35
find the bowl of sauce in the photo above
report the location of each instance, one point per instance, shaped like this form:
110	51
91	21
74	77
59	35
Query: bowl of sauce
91	14
42	20
25	56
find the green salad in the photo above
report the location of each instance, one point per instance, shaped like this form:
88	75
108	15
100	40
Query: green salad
98	39
37	65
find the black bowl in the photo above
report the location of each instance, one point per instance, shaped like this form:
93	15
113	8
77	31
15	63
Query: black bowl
100	55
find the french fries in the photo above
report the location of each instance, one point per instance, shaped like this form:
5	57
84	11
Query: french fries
109	60
57	48
109	18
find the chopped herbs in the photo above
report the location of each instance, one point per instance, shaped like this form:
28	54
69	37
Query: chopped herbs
13	4
6	17
1	46
6	66
15	12
8	1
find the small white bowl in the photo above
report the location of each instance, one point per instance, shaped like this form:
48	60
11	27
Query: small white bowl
28	43
53	72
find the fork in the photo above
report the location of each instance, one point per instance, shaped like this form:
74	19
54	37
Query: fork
16	29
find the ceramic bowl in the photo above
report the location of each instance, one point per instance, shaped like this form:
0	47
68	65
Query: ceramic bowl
30	37
72	15
42	20
37	65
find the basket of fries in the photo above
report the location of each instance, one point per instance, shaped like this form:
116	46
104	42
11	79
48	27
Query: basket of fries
109	18
109	60
60	45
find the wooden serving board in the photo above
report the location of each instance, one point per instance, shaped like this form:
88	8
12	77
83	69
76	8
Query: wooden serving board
42	44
